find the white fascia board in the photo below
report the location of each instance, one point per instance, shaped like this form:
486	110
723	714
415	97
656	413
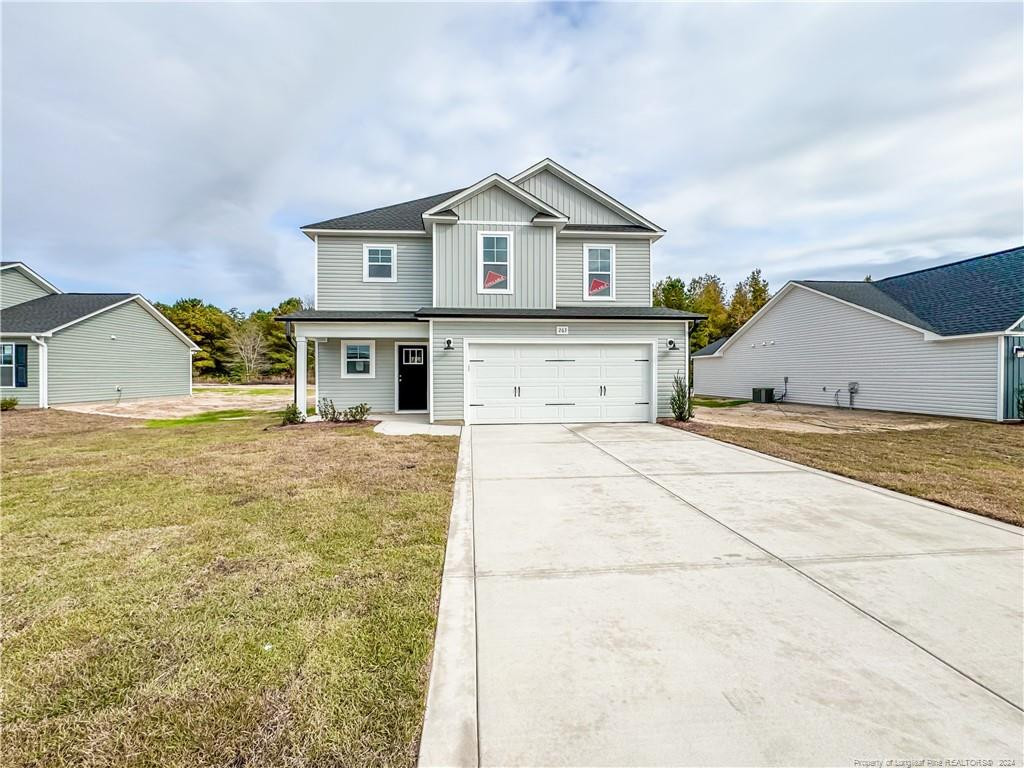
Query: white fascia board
556	319
367	330
156	313
311	233
32	275
496	180
586	187
29	335
1019	322
652	236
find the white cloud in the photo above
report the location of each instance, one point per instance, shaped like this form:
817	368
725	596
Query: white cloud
175	149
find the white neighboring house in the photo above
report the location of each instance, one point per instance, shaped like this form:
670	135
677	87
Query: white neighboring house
948	341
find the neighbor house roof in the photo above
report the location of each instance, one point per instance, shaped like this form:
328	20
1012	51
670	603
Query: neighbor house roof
984	294
408	215
49	312
711	348
424	313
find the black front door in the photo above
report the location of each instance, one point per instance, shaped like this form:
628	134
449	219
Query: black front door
412	377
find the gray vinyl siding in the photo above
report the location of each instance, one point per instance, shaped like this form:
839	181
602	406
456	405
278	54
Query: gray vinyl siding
457	260
15	288
340	274
579	207
449	366
494	204
28	397
145	359
822	345
1013	373
632	271
378	392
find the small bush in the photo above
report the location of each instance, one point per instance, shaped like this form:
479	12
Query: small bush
681	403
1020	401
325	407
356	413
292	415
8	403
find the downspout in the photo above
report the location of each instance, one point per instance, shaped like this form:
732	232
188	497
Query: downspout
44	372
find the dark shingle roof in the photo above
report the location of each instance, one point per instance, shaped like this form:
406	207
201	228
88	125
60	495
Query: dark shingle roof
605	228
49	312
349	315
408	215
978	295
711	348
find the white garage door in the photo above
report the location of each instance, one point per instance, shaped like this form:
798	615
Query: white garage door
552	383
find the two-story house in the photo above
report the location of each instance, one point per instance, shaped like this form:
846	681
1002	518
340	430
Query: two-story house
522	299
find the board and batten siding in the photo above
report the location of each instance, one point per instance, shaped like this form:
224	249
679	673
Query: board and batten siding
123	347
450	367
377	392
564	197
339	273
457	264
28	397
15	288
1013	376
632	272
494	204
822	345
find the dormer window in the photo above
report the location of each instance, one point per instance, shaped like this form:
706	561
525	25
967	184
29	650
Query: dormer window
379	263
494	262
599	272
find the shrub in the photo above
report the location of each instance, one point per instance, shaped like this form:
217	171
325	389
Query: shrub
325	407
356	413
1020	401
8	403
681	403
292	415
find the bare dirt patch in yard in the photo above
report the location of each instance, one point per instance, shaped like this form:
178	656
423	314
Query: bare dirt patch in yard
217	593
203	400
792	417
971	465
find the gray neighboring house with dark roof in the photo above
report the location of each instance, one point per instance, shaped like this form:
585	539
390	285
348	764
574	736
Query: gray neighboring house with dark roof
58	347
948	341
515	300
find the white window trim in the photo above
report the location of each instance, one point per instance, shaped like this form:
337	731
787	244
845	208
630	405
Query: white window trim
344	359
12	366
586	272
366	263
480	263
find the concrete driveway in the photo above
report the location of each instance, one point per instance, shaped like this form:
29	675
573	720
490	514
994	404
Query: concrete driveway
637	595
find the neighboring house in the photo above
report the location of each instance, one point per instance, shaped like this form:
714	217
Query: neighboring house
522	299
947	340
60	347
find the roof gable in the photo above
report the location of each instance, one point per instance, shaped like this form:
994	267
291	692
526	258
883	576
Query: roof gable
24	269
548	169
494	204
446	208
580	207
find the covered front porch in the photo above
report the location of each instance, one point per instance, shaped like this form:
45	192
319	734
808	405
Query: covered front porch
381	359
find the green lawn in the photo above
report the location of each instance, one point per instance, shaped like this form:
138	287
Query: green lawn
218	593
716	402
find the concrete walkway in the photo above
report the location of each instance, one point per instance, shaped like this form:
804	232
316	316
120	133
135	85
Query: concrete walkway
638	595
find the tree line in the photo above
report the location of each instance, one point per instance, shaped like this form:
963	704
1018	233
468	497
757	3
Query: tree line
234	345
706	295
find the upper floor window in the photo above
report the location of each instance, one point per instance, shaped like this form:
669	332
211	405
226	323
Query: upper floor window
379	263
599	272
494	262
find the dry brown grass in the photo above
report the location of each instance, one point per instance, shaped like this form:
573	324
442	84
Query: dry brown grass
217	594
974	466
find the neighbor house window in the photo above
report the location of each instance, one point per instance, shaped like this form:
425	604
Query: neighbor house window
599	271
379	263
494	262
13	365
358	358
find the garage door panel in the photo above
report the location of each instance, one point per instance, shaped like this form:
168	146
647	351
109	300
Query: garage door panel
551	383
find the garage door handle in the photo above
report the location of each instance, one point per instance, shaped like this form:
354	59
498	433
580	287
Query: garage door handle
559	403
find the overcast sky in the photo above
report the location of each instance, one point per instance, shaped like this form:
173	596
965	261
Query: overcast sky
175	149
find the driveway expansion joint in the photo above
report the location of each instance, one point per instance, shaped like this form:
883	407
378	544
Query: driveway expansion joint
795	569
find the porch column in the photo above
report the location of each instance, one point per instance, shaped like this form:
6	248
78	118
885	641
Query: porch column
300	374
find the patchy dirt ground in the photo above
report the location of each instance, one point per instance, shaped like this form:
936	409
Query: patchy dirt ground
260	397
789	417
